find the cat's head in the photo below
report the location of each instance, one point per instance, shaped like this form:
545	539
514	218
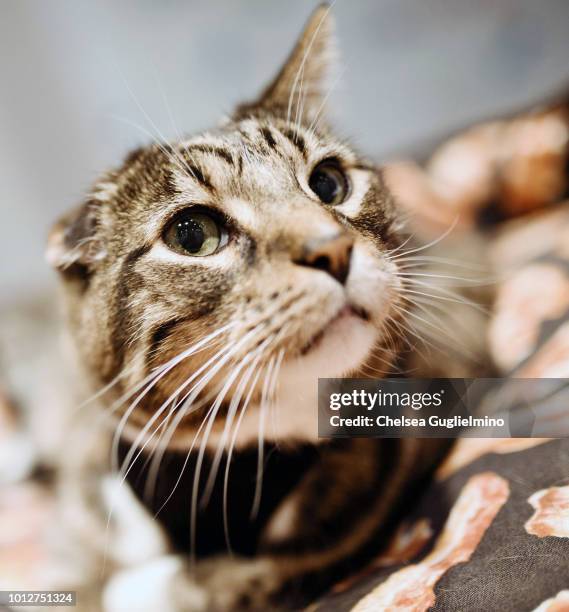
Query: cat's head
237	264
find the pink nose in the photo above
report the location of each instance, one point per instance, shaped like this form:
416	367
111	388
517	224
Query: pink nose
331	255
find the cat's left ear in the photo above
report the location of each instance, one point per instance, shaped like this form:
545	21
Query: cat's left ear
73	247
298	90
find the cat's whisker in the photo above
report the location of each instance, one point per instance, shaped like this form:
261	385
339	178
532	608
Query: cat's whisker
408	332
373	371
429	244
468	282
156	455
441	330
388	339
161	427
186	403
154	378
173	125
209	419
418	330
163	146
136	448
444	298
422	303
410	371
404	330
174	158
221	358
430	324
126	371
162	369
233	407
299	104
273	393
400	247
415	260
163	407
246	402
388	347
429	313
130	462
103	416
153	465
274	339
419	297
447	294
261	439
161	141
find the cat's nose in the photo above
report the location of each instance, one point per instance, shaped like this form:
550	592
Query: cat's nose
331	254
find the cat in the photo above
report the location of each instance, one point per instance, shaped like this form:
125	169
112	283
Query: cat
207	284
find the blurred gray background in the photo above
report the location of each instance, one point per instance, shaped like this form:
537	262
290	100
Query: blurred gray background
82	82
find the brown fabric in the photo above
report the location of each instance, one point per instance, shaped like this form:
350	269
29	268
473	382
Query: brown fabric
483	555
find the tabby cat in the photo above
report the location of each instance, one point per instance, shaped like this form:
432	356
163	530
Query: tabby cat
208	283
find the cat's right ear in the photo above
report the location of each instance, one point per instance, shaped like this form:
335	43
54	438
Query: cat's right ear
73	246
298	90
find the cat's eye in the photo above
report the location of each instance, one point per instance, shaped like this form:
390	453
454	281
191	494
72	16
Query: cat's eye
194	232
329	182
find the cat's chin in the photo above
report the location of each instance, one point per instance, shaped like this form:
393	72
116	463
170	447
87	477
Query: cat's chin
341	347
341	324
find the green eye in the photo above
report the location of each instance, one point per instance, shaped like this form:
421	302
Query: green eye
329	182
193	233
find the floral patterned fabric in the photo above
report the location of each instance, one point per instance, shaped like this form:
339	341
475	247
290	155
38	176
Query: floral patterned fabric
494	535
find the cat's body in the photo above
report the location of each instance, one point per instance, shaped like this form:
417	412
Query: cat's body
208	284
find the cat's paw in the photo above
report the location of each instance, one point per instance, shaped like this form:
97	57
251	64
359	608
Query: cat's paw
240	584
161	584
222	584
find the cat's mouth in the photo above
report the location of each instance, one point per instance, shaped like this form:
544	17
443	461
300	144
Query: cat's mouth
349	311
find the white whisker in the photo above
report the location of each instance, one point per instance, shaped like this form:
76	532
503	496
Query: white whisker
205	436
429	244
260	458
233	407
230	454
154	377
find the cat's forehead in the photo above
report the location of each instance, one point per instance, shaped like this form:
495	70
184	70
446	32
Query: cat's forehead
253	157
254	160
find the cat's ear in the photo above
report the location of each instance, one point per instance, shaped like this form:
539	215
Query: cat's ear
73	246
298	90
